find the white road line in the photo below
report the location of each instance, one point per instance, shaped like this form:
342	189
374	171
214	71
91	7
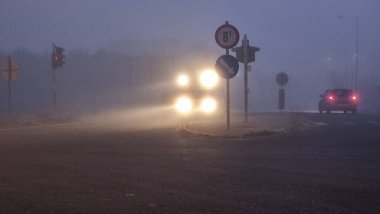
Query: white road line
376	123
41	126
321	124
349	123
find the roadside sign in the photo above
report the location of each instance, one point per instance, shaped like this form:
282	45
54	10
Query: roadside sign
227	36
10	65
227	66
282	79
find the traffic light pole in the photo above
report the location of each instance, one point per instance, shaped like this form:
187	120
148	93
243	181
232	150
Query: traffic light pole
10	87
10	97
246	89
57	61
54	90
245	54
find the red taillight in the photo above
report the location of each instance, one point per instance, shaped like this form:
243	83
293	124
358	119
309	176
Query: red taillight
331	98
354	98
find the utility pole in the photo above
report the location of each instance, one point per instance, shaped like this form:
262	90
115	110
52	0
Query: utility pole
355	73
130	72
356	52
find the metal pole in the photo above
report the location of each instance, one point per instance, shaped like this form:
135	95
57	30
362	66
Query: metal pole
228	104
356	51
54	91
150	71
281	99
130	78
10	87
246	90
228	99
54	79
354	73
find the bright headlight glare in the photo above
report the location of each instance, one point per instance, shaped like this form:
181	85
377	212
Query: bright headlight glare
208	105
183	80
209	79
184	104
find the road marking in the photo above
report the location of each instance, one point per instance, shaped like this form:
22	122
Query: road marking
41	126
320	124
374	122
349	123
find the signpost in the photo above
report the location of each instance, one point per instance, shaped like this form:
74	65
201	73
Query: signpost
10	72
281	79
227	36
246	54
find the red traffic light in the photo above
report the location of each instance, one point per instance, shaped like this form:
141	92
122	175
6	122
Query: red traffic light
57	57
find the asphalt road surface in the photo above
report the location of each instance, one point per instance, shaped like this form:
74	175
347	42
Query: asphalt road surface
323	164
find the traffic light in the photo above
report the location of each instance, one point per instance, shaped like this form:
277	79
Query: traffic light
57	57
251	51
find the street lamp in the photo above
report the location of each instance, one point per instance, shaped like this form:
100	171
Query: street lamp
354	77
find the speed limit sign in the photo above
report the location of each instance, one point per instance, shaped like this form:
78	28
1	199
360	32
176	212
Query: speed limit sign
227	36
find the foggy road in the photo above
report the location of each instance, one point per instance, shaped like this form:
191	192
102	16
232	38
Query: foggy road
124	106
328	166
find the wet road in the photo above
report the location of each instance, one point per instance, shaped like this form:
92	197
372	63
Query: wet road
329	165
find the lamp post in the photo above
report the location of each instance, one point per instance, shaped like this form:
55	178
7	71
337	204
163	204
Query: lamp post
354	76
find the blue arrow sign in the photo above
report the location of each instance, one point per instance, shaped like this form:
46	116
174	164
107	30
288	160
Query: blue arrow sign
227	66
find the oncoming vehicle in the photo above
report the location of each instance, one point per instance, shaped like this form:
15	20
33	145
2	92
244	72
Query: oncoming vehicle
195	93
338	100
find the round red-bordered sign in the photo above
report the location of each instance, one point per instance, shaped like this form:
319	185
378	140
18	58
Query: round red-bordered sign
227	36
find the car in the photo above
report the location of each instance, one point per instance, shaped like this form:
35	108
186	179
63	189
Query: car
195	93
345	100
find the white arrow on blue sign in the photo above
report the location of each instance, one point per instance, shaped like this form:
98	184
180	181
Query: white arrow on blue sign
227	66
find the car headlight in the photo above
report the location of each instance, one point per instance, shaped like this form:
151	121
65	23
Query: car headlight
184	105
183	80
208	79
208	105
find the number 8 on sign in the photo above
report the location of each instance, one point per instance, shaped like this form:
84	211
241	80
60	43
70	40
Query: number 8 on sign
227	36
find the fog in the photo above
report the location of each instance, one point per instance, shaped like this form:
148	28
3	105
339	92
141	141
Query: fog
122	56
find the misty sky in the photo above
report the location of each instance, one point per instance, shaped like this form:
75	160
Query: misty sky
304	38
35	24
